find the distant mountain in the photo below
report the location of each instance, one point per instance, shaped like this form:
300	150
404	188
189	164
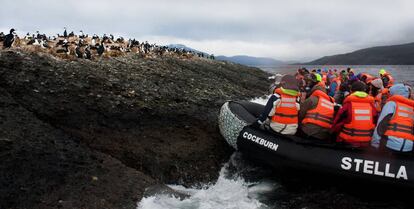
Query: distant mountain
381	55
252	61
240	59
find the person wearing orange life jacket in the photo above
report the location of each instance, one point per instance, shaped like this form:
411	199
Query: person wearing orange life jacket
355	121
386	78
324	77
319	81
281	110
394	130
366	78
311	80
301	77
379	93
316	114
334	86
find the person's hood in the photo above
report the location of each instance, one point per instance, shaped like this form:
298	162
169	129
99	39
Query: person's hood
377	83
400	89
317	87
289	82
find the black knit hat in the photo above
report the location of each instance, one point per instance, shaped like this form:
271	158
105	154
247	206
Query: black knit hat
358	86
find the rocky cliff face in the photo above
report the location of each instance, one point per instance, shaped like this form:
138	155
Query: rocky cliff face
89	134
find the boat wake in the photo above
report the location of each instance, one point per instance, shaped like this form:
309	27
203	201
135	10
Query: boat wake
261	100
231	191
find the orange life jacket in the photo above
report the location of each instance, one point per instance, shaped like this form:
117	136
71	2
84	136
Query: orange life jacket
286	112
321	84
369	77
402	122
324	77
323	114
362	125
338	83
390	80
381	98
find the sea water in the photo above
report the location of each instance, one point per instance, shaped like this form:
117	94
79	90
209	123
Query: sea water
230	191
401	73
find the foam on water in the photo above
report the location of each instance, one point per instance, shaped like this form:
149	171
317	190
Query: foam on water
261	100
229	192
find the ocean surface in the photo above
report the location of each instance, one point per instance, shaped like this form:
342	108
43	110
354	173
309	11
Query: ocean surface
401	73
245	185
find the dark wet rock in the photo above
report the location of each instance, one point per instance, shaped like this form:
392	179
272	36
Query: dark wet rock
43	167
130	122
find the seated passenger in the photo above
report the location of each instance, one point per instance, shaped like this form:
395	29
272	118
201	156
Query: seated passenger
395	124
380	93
355	121
335	83
386	78
312	80
281	111
275	84
316	114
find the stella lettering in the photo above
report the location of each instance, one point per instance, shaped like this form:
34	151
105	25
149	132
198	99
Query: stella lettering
373	168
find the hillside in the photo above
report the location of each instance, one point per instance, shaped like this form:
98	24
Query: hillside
95	134
252	61
382	55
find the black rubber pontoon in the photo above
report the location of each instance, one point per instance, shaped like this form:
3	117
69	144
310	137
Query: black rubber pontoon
276	150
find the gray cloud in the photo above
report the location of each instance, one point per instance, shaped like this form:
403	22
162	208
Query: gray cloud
281	29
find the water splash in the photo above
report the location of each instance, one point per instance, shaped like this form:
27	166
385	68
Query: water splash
231	191
261	100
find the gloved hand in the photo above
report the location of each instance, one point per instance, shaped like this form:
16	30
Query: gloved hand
256	124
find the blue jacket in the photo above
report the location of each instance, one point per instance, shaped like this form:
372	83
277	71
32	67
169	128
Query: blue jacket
332	89
394	143
269	106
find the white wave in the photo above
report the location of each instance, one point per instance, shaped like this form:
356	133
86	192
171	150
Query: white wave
261	100
227	193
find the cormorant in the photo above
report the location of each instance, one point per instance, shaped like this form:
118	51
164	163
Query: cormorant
9	39
101	49
88	54
78	52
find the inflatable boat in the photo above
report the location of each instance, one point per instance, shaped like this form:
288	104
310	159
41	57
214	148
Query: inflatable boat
299	152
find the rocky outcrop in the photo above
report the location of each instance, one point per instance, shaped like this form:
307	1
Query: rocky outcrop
95	134
43	167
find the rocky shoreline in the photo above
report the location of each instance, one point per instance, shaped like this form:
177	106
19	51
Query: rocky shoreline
95	134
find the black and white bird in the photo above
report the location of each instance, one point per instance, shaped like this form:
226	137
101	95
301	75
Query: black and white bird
9	39
101	49
38	36
78	52
27	36
81	35
65	33
2	36
87	54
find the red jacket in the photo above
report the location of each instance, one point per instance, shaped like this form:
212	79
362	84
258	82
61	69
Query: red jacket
344	116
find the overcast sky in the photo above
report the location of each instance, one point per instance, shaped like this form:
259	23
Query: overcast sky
285	30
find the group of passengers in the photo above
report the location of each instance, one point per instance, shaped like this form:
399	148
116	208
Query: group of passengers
357	110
